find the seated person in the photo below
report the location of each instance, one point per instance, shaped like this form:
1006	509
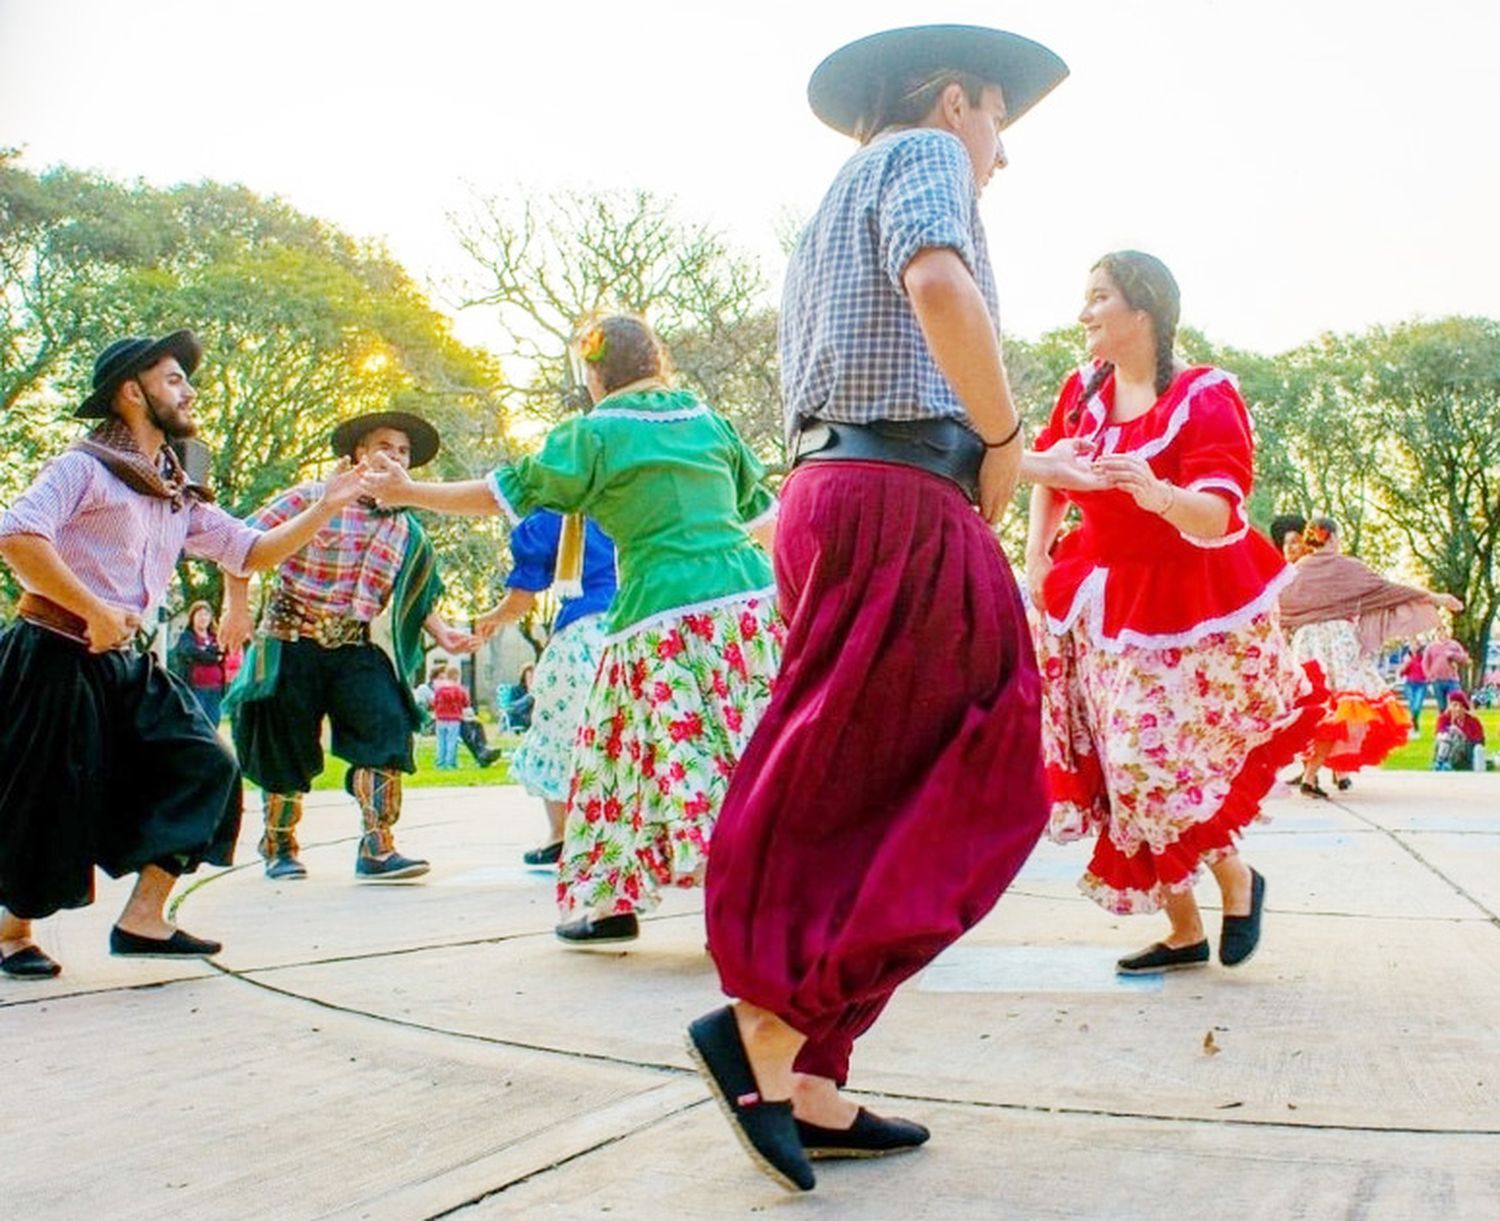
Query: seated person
516	701
1459	731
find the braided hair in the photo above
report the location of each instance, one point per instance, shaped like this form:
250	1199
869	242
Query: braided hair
1145	283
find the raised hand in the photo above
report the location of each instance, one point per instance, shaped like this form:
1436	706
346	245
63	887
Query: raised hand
343	486
384	480
451	639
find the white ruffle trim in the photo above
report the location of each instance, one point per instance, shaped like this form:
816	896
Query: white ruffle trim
1097	415
693	608
1088	606
651	417
1236	513
493	480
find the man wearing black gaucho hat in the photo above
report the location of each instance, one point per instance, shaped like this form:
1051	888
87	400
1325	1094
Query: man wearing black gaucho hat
107	759
313	656
852	849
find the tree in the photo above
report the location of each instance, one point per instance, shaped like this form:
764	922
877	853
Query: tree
302	326
542	264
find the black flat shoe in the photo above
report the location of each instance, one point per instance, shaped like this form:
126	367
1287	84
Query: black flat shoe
1343	784
869	1136
549	855
608	930
766	1130
1311	788
29	963
178	945
1161	957
1241	934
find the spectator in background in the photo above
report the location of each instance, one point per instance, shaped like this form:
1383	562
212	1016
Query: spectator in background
516	702
1414	677
1459	732
199	661
1441	660
449	702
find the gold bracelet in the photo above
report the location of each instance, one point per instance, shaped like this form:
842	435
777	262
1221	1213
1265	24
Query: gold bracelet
1171	498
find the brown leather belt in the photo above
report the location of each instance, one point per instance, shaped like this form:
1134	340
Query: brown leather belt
45	613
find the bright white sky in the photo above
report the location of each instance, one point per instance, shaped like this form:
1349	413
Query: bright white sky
1302	165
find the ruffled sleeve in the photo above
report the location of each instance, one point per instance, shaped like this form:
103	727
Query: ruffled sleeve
1214	453
564	475
1057	426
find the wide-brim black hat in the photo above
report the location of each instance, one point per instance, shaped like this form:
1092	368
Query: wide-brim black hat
422	435
125	357
857	78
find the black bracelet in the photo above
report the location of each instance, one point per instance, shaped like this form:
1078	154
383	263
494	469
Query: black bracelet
1009	437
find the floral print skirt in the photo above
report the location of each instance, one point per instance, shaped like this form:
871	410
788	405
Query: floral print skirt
1367	720
561	685
1166	753
670	713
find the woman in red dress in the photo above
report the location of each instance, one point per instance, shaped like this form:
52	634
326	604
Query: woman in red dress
1169	695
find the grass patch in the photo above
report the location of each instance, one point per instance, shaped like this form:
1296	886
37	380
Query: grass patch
1416	755
427	775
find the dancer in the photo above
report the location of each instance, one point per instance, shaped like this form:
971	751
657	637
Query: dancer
107	758
694	636
565	672
1170	695
1340	614
855	846
313	657
1286	535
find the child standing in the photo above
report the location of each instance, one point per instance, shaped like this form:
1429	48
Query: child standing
449	702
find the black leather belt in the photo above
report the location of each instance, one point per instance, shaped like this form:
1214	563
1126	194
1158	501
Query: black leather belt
941	447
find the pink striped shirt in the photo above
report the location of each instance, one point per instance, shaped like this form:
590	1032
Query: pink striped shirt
123	546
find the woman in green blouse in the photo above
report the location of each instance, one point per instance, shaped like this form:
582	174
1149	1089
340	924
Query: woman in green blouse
694	638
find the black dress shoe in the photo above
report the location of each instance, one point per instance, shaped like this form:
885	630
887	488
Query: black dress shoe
607	930
1161	957
869	1136
178	945
549	855
29	963
766	1130
1241	934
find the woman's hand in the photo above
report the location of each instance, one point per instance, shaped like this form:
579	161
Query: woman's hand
385	481
1448	602
1133	475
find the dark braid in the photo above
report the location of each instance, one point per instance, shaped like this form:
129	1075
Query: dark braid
1091	388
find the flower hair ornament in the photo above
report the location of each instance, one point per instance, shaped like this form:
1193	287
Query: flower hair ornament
1316	536
593	345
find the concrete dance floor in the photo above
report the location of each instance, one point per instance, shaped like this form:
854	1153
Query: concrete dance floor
408	1051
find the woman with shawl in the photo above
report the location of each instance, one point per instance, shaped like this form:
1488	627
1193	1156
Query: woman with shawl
1338	613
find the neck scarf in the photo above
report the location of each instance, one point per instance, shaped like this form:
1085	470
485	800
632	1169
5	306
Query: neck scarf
112	444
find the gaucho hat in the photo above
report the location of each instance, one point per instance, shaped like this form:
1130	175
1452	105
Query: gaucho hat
126	357
862	76
422	435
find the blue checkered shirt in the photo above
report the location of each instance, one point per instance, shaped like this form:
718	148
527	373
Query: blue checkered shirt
851	349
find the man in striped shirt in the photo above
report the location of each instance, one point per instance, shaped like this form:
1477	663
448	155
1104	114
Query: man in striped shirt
107	758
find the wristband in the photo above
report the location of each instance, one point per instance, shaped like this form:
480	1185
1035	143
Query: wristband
1009	437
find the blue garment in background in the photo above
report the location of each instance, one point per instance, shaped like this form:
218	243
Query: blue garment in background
533	547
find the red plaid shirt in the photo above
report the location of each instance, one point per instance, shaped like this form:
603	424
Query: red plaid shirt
350	566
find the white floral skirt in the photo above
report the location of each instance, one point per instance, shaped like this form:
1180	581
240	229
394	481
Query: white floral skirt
564	676
669	717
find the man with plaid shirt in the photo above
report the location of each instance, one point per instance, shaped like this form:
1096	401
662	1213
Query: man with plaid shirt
313	657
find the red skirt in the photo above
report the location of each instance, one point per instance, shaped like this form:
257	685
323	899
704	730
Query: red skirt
894	786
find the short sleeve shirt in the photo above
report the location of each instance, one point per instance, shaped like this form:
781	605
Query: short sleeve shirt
851	348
